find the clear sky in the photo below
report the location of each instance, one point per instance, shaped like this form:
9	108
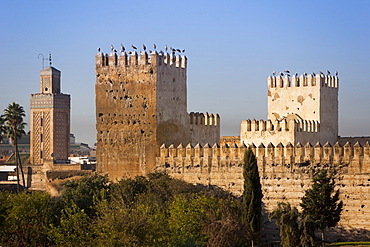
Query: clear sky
232	47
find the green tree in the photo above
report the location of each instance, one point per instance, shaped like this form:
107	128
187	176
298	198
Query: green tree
4	206
252	196
307	231
294	230
225	227
287	219
14	128
84	192
73	228
158	210
321	203
27	219
187	217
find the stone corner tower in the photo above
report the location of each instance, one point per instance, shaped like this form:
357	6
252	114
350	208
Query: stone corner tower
141	103
49	120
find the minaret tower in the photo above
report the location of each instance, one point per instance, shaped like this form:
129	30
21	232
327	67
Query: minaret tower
50	120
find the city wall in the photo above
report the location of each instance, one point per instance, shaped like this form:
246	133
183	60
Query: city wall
285	172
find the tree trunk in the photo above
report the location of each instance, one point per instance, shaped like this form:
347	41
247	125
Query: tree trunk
323	237
252	243
17	168
18	162
20	165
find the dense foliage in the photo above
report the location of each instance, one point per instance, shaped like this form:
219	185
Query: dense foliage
143	211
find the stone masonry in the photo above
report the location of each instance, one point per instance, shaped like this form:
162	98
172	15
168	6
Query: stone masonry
143	125
285	172
141	103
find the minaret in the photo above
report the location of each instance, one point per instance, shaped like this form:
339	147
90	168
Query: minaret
50	120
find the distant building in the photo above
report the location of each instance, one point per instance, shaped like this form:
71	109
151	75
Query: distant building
50	120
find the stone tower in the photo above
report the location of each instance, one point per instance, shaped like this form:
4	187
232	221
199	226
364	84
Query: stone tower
300	109
141	103
50	120
312	98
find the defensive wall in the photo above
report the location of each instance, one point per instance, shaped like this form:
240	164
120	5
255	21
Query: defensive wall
286	171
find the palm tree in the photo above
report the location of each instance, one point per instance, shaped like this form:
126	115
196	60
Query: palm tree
14	129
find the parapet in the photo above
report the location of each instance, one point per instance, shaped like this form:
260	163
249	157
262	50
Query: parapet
210	119
133	59
292	125
270	154
304	80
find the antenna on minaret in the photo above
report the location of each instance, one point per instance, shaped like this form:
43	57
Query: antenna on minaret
50	59
43	59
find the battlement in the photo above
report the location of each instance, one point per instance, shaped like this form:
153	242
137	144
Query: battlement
304	80
270	154
286	130
133	59
298	125
210	119
204	127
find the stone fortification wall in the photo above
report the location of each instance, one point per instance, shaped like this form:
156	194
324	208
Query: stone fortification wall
284	131
204	128
286	172
230	140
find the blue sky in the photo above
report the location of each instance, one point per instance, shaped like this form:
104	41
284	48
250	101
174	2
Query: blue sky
232	47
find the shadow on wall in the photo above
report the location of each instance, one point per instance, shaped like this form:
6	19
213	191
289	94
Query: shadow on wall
340	234
271	233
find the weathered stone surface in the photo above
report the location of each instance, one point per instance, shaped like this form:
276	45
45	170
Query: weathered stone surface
141	103
283	181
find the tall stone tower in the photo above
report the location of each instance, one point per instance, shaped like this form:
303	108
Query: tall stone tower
141	104
50	120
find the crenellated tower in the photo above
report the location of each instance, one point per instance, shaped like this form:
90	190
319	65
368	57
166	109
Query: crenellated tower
300	109
50	120
141	103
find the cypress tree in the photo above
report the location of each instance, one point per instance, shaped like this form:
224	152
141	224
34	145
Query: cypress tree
287	219
321	203
252	196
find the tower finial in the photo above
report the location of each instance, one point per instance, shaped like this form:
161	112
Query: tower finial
50	59
42	59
